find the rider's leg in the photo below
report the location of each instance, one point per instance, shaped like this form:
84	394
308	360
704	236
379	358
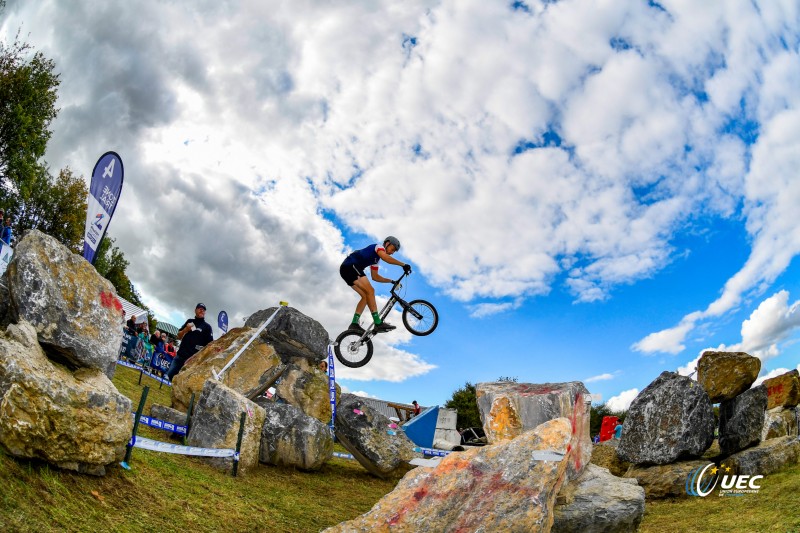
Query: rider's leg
364	288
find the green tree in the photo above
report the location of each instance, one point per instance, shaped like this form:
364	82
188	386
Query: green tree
464	400
28	84
55	206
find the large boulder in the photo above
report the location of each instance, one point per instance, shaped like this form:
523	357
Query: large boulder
292	334
74	420
216	421
509	487
598	502
664	481
780	422
292	438
742	419
783	390
725	375
370	437
670	419
310	391
75	311
509	409
251	371
767	458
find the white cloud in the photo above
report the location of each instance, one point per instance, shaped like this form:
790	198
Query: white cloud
510	151
623	400
600	377
363	394
668	340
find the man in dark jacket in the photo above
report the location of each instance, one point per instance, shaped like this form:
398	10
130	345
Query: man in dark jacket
194	335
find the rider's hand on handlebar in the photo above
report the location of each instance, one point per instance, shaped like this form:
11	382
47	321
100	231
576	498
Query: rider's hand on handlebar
407	268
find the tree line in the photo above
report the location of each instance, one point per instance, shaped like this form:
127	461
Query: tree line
35	197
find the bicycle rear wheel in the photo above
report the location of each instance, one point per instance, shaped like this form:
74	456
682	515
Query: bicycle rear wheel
351	351
420	317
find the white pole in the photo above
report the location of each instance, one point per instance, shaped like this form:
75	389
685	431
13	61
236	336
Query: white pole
243	348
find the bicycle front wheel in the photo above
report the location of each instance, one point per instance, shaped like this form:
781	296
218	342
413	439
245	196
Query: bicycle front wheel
420	317
351	351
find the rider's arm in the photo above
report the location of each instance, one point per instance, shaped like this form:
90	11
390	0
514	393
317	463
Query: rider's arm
377	277
389	259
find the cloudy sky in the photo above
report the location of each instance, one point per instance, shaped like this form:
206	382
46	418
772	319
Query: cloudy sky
587	190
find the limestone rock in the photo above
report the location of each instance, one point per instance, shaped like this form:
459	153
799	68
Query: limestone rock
75	311
292	334
248	373
742	419
780	422
292	438
783	390
502	487
367	434
508	409
767	458
670	419
598	501
215	424
307	390
725	375
604	454
77	421
664	481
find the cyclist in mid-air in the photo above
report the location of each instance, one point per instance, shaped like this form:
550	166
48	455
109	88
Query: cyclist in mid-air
352	272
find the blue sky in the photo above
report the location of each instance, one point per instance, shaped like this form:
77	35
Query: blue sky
587	191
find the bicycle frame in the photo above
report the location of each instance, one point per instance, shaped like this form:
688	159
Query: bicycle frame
386	309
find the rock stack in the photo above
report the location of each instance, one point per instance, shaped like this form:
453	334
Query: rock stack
669	429
60	332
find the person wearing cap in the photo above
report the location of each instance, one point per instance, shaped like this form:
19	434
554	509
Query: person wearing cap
352	272
194	335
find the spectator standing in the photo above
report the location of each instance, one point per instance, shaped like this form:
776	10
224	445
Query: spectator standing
618	431
7	234
417	408
194	335
155	338
131	323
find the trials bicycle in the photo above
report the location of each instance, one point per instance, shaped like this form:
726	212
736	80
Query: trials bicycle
354	349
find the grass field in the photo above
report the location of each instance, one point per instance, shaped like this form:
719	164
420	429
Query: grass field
164	492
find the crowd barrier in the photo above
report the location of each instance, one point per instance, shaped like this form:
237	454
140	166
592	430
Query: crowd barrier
166	447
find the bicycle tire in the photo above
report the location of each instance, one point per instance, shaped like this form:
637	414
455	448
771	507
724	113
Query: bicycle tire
425	325
353	356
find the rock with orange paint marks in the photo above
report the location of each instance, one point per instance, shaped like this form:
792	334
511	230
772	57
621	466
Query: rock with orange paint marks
783	390
76	312
374	440
671	419
505	487
509	409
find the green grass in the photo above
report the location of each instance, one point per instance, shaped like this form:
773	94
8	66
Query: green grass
776	508
165	492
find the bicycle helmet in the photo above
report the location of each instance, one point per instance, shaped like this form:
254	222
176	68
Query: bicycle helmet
392	240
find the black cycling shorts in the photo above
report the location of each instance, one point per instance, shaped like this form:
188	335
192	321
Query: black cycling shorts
350	273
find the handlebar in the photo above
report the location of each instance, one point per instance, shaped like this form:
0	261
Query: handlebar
396	283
